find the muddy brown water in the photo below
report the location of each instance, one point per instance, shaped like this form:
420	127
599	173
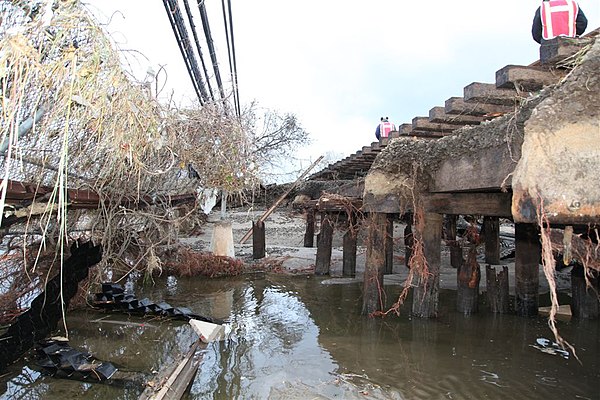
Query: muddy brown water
291	337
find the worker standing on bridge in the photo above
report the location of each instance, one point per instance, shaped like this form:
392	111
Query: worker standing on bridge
558	18
384	128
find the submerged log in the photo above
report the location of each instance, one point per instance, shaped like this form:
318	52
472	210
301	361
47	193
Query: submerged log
48	307
497	289
468	278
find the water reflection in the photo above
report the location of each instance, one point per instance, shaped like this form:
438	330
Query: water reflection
294	338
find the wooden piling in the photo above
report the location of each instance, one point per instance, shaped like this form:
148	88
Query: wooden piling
467	280
324	241
426	293
456	254
584	299
389	244
491	232
258	240
527	256
497	289
408	240
309	235
375	263
349	257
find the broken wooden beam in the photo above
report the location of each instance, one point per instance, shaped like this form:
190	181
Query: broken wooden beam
488	93
497	289
527	78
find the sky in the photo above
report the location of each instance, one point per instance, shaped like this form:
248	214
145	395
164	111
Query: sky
341	65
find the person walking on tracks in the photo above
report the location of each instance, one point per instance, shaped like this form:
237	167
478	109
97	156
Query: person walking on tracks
558	18
384	128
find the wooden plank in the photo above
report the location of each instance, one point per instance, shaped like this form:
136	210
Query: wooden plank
458	106
258	240
309	235
486	204
423	124
557	50
488	170
349	255
488	93
439	115
525	78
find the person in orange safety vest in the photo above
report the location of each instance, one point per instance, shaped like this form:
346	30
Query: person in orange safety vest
384	128
558	18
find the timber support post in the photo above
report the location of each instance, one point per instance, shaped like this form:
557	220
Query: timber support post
491	232
375	263
324	242
258	240
584	299
309	235
468	277
408	240
426	293
389	244
349	256
497	289
527	256
456	254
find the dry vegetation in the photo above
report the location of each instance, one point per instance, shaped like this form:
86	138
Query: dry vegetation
73	118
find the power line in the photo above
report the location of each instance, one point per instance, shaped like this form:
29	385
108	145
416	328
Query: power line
183	41
193	27
231	55
211	46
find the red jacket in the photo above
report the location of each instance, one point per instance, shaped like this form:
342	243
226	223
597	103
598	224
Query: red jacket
559	18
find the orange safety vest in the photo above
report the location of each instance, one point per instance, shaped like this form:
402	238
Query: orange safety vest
385	128
559	18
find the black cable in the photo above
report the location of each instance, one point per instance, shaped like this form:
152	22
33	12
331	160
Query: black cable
235	75
167	4
211	46
231	55
188	48
193	27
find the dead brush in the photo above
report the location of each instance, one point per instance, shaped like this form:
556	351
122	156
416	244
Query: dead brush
188	263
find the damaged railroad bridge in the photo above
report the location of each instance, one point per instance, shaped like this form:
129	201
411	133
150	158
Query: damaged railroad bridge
525	148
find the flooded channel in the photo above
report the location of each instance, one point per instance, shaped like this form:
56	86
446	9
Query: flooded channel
291	337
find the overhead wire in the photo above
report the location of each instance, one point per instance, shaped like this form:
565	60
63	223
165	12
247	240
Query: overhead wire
211	46
231	54
198	48
183	41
